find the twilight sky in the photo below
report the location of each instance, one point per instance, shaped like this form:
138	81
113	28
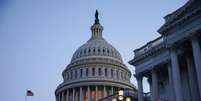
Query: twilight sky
39	37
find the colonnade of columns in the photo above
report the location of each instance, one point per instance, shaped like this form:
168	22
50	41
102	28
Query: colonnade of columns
86	93
174	76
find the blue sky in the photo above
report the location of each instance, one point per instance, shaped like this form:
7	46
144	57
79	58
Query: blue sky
39	37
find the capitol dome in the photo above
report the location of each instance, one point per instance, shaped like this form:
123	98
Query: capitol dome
96	70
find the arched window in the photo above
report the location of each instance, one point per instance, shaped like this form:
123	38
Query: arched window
99	71
81	73
108	51
93	71
98	50
84	51
103	50
106	72
87	72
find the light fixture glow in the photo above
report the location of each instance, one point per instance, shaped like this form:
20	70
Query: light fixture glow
114	99
128	99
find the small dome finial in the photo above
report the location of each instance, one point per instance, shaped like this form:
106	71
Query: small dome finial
96	16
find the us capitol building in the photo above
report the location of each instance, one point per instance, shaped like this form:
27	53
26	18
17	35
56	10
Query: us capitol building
96	70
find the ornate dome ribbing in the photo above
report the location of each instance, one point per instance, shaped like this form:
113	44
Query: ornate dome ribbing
96	46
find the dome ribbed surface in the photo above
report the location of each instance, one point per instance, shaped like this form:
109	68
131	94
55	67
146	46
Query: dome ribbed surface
96	47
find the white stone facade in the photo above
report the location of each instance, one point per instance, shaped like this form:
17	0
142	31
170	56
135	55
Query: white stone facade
172	62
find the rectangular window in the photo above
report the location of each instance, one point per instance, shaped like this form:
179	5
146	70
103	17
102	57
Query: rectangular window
99	71
80	72
93	71
87	72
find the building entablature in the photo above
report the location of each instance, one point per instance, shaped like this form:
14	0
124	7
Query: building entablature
183	33
188	12
94	82
151	62
148	50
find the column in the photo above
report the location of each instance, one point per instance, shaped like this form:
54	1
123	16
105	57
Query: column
171	86
81	94
67	95
155	96
62	96
59	96
149	80
77	95
73	94
197	59
89	95
96	93
104	91
176	75
112	90
192	79
140	88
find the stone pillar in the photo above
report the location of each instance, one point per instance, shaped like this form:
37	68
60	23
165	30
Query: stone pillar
149	80
62	96
67	95
104	91
171	86
192	78
112	89
96	93
197	59
140	88
59	96
81	95
73	94
176	75
155	96
89	95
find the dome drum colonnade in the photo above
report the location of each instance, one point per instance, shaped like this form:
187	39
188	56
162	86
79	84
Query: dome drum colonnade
96	71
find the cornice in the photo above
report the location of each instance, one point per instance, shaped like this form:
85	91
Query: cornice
148	53
93	83
181	16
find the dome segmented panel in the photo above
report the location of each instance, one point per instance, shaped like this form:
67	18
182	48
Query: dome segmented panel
96	47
